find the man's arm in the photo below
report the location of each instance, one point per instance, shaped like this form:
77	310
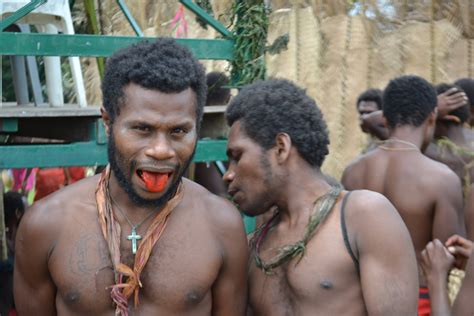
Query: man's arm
34	291
448	214
374	124
388	267
436	261
229	292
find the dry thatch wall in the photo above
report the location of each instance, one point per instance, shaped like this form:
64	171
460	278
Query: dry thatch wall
335	51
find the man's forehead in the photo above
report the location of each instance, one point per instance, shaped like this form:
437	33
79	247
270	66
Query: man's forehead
238	137
237	132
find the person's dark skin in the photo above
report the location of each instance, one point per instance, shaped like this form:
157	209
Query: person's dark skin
374	122
437	260
325	281
426	193
365	108
450	126
460	159
460	136
198	266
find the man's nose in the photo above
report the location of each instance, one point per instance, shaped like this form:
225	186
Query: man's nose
160	148
229	175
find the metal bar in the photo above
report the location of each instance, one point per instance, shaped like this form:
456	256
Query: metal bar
220	167
249	223
9	125
52	155
20	83
207	18
130	18
84	154
6	22
35	44
210	150
33	74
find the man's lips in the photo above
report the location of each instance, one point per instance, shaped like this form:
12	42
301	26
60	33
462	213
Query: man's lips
232	194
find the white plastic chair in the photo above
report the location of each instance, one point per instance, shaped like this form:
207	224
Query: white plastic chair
52	17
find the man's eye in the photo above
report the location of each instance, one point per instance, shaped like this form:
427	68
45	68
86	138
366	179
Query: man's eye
236	157
142	128
178	130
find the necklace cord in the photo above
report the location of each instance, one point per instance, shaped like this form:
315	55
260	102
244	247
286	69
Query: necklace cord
322	207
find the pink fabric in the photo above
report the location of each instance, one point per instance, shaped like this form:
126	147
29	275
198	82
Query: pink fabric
179	23
19	179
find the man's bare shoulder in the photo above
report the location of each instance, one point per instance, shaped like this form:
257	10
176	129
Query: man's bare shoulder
221	212
360	160
47	219
439	171
55	208
367	204
351	175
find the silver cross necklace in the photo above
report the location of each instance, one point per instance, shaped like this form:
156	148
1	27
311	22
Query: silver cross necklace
133	237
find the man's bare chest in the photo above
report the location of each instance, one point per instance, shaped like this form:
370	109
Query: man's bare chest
323	271
175	274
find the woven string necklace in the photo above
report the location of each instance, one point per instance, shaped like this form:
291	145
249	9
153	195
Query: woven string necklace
322	207
133	237
382	145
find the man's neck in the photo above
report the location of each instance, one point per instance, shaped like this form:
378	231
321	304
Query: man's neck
408	134
303	187
455	133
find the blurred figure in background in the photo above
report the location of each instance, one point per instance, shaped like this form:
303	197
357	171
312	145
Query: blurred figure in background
14	208
206	173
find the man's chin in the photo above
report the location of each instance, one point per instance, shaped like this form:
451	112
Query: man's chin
155	199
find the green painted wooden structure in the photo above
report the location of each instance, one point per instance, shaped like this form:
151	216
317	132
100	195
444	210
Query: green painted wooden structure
86	141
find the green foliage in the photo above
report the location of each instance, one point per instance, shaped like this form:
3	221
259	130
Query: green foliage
465	155
250	28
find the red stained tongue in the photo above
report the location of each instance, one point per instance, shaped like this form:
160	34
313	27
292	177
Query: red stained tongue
154	182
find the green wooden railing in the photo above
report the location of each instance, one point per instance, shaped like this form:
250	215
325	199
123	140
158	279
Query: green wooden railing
94	150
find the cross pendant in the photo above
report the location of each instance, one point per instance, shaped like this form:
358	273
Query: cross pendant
134	237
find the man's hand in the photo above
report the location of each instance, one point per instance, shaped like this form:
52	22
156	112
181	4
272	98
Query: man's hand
374	124
461	248
436	261
450	100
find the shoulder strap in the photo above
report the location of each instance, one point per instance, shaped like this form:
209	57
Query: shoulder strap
345	236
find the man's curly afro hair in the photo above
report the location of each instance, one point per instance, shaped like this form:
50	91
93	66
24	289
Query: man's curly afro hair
408	100
467	85
266	108
161	65
462	112
374	95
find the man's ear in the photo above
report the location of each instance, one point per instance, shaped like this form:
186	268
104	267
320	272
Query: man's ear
432	117
282	146
106	118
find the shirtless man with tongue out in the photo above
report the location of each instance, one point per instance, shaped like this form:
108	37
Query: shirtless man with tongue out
138	239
